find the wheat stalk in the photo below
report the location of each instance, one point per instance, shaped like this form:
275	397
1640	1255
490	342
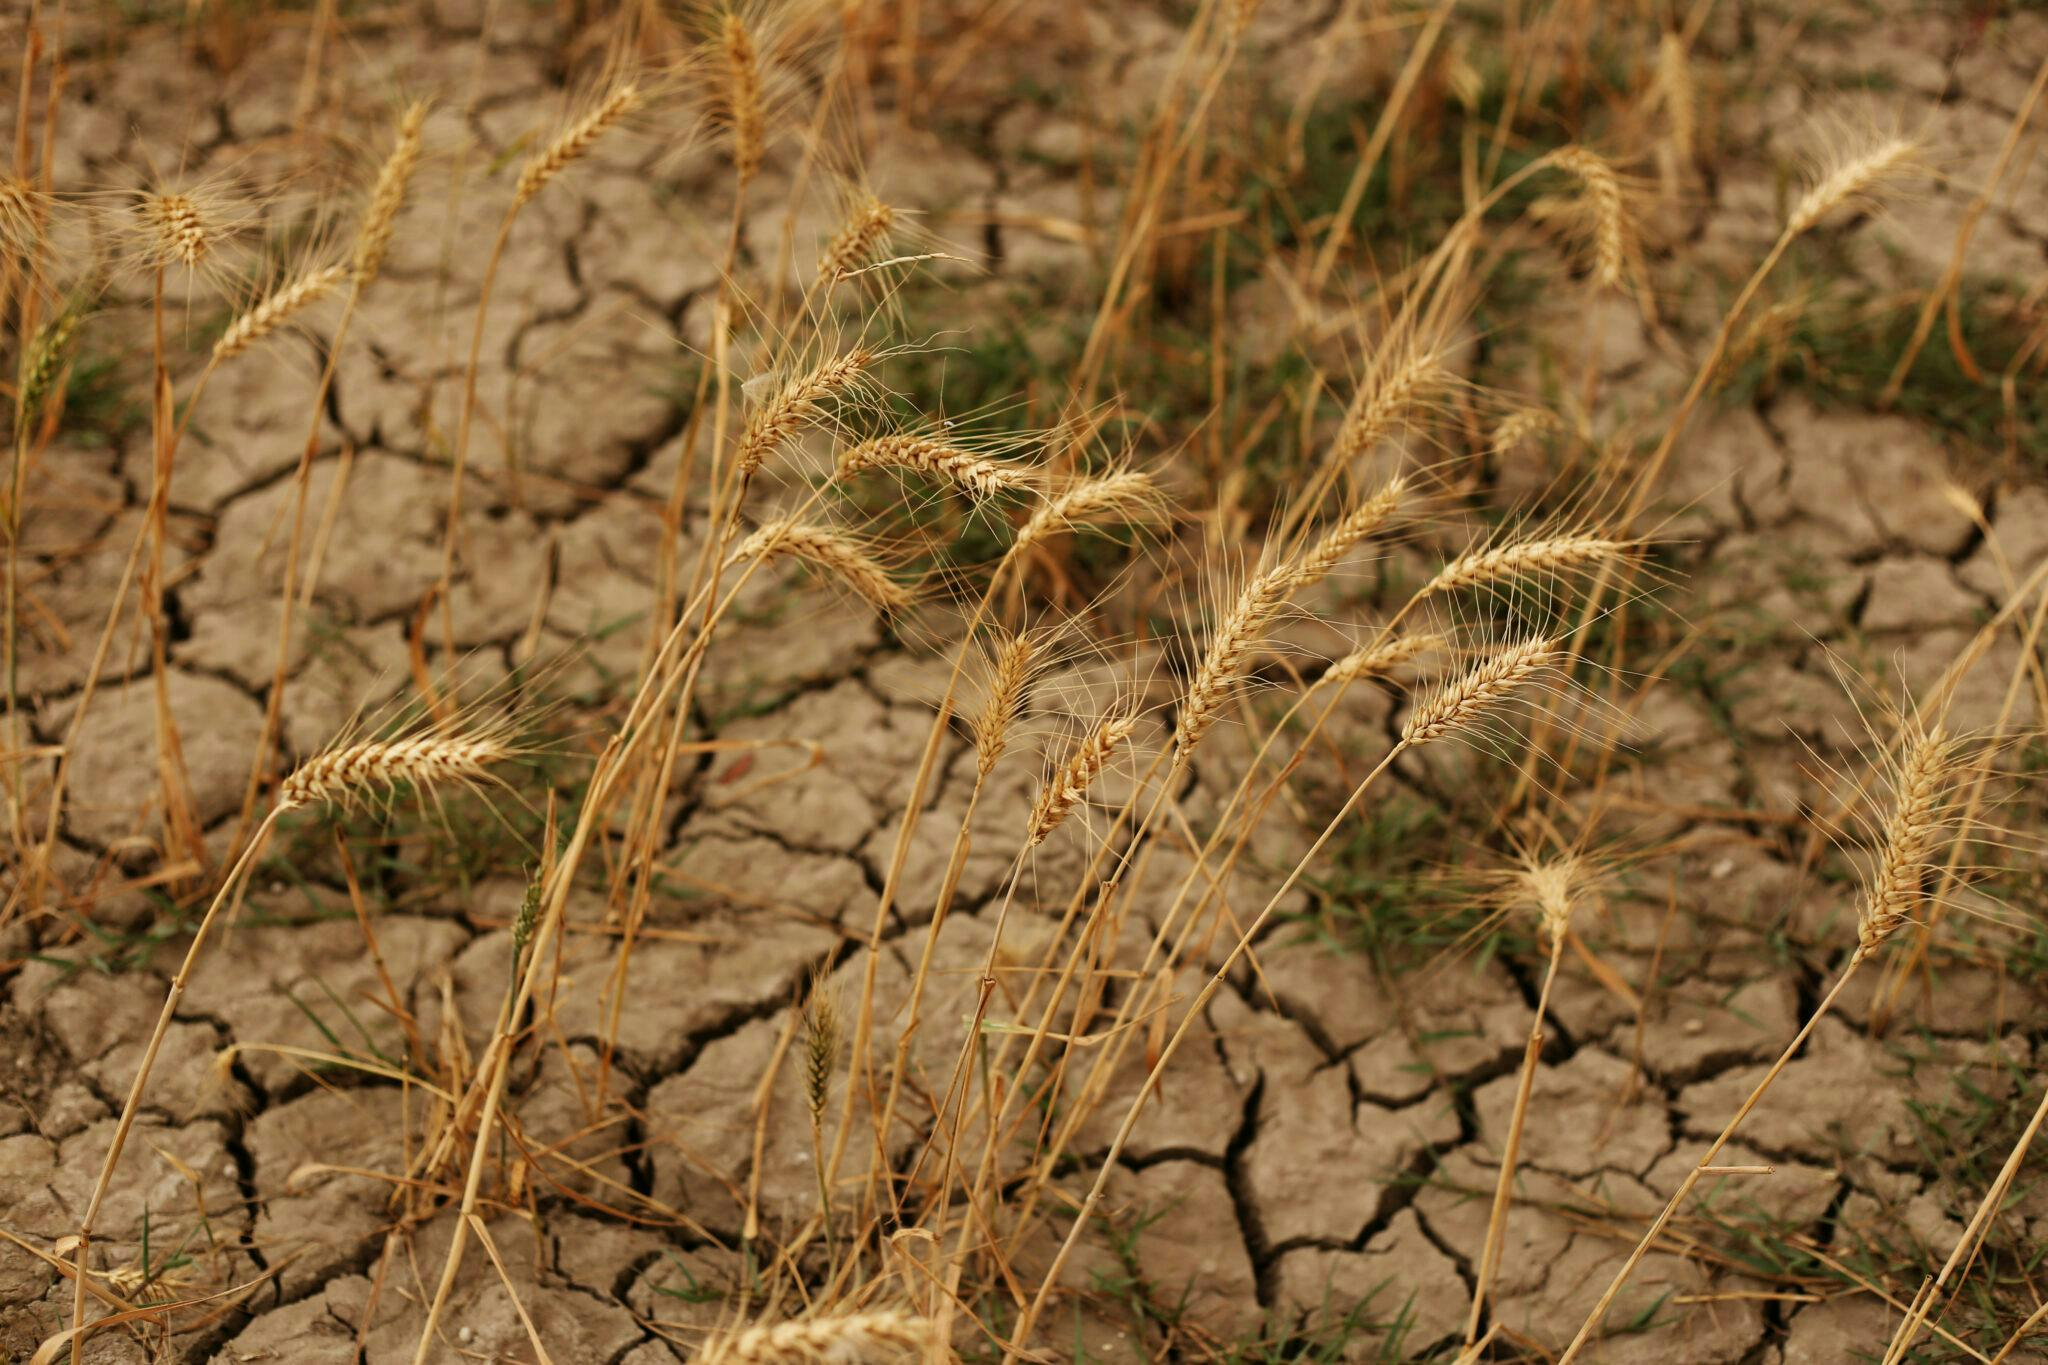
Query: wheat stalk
278	308
1072	778
1124	495
1674	83
1612	232
833	551
866	230
978	475
1338	541
1521	559
1378	660
1464	699
574	142
743	99
373	238
1910	840
1008	673
1850	176
796	403
1230	652
343	776
846	1339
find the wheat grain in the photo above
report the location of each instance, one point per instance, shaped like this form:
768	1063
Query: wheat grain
1464	699
373	238
859	241
1339	540
978	475
1125	495
1070	781
1378	660
832	551
344	776
1230	652
1849	177
1911	838
1522	559
845	1339
797	403
1009	672
744	104
276	309
575	142
1613	234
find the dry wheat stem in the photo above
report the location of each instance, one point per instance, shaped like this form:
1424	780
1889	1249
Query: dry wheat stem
1071	780
1852	176
1674	83
574	142
833	551
373	238
276	309
795	404
1463	700
977	475
844	1339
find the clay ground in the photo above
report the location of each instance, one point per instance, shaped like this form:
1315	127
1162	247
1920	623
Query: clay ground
1315	1175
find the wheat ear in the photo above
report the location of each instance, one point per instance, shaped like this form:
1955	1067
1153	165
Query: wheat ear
1911	838
1229	654
1850	176
575	142
1378	660
977	475
797	403
346	775
1410	381
272	312
1363	520
179	227
1126	496
1612	232
830	550
373	238
1523	559
744	104
847	1339
1521	425
1009	672
1070	781
860	240
1464	699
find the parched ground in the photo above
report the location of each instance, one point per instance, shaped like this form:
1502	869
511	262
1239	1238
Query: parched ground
1318	1167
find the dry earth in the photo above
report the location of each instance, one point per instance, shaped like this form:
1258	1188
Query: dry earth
1331	1140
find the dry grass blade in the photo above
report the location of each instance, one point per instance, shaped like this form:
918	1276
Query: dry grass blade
575	142
833	551
345	776
1911	838
278	308
1124	496
797	403
845	1339
1465	699
978	475
1524	559
1071	780
1850	177
373	239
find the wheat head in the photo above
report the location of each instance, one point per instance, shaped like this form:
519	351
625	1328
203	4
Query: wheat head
278	308
797	403
1523	559
373	238
744	103
574	142
1230	652
1363	520
1124	495
1009	674
844	1339
180	231
858	241
1375	661
1071	780
347	775
833	551
977	475
1849	176
1613	233
1911	838
1466	698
